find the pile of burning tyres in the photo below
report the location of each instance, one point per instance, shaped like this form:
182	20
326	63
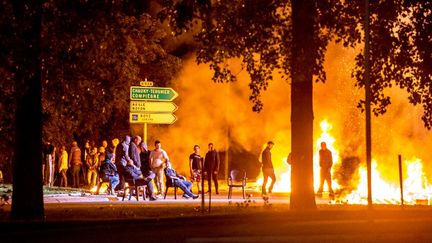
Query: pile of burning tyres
349	178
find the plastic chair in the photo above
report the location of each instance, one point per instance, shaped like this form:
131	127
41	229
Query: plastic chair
170	183
238	180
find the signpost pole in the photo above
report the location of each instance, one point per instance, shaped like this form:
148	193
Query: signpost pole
145	133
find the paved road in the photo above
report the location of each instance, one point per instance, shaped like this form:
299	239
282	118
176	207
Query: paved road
106	218
413	225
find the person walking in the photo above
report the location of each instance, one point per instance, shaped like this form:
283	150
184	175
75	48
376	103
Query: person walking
63	166
326	163
158	157
211	167
267	168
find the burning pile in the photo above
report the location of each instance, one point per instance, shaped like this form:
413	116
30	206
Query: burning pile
349	177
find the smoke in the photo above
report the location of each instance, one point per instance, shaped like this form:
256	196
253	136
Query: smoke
222	114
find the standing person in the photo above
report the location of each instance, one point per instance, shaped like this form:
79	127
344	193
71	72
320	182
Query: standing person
75	163
105	145
134	152
101	153
145	159
158	157
267	168
122	158
108	171
84	168
211	167
63	166
101	157
114	144
145	165
92	167
325	162
49	164
195	163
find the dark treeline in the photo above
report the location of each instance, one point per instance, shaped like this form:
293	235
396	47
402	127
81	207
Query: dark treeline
91	53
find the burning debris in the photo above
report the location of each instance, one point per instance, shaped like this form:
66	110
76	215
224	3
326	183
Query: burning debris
349	178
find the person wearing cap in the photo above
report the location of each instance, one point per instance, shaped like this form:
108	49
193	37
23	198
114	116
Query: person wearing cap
267	168
108	171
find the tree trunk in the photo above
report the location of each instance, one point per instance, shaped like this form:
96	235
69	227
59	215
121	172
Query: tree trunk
302	190
27	197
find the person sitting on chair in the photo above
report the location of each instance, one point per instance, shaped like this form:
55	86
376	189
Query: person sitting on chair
180	181
108	171
133	172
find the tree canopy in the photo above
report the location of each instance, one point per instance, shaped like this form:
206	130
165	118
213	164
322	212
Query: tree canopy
260	34
92	53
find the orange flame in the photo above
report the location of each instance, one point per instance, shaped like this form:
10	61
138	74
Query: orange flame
415	185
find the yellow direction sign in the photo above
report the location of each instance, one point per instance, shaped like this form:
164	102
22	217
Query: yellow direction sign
152	107
155	118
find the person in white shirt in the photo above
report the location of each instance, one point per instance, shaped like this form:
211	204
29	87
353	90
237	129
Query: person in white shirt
158	158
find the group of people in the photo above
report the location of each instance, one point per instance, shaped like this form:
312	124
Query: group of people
79	164
131	160
127	162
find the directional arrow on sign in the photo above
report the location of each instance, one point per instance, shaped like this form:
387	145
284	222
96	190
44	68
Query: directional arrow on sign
152	106
155	118
152	93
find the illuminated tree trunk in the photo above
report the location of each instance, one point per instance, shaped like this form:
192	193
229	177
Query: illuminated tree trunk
27	198
302	191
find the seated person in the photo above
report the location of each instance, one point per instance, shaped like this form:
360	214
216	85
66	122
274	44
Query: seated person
108	171
132	172
180	181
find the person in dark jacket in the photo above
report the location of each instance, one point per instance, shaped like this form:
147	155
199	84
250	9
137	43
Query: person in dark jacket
267	168
179	181
326	163
132	172
108	171
134	152
122	158
211	167
145	159
145	163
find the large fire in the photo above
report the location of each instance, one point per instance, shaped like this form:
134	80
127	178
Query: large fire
416	189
